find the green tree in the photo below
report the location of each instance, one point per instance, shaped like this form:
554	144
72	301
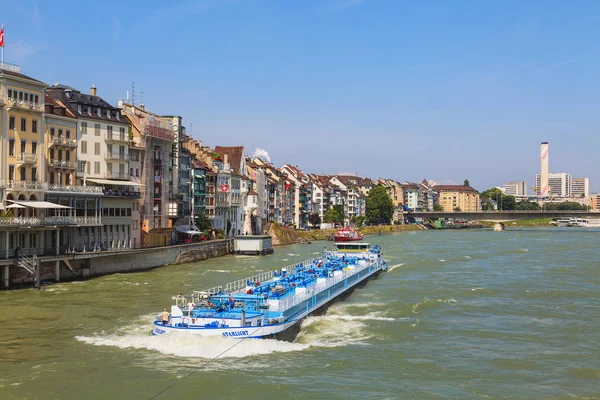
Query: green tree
527	206
379	206
331	216
438	207
203	223
314	219
339	209
493	198
508	202
466	182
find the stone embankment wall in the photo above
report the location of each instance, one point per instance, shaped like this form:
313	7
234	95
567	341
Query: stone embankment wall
96	264
283	236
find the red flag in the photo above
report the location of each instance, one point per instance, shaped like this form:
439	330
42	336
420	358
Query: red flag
2	36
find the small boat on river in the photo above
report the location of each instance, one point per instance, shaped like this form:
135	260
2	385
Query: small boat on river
274	303
348	235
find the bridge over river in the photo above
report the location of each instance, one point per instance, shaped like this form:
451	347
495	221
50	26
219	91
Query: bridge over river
500	217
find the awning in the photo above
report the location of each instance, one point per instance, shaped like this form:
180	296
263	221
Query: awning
15	206
114	182
38	204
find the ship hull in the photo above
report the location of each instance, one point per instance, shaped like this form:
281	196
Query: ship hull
287	331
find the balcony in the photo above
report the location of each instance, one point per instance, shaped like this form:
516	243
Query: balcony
35	221
116	156
91	220
54	141
158	161
116	175
223	200
62	164
28	158
27	105
116	137
11	184
157	179
74	189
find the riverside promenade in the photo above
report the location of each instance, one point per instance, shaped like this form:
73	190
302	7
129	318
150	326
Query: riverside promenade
82	265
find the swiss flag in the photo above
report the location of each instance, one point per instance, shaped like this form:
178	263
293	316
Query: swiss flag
224	188
2	36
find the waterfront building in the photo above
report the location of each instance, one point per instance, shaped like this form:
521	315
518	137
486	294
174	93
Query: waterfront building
458	197
352	191
232	188
302	194
85	202
430	196
413	196
22	163
396	194
580	187
151	143
515	188
559	184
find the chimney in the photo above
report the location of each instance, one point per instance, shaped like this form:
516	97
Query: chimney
93	90
225	159
543	189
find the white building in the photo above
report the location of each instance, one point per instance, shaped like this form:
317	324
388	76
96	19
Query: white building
580	187
559	184
516	188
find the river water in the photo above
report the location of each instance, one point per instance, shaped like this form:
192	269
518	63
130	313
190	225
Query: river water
463	314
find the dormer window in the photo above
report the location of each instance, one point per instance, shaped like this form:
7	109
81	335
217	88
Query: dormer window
79	108
85	109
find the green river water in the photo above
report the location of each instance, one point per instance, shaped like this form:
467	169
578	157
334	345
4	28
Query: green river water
465	314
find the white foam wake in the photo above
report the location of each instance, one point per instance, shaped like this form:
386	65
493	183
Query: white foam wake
393	267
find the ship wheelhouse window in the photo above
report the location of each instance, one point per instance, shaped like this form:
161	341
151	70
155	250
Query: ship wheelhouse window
248	323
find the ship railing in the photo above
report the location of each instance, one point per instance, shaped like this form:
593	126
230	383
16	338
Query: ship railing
197	295
291	301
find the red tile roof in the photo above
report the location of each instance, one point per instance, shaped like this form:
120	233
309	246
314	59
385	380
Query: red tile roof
234	154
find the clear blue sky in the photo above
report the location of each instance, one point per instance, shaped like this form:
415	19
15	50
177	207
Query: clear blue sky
445	90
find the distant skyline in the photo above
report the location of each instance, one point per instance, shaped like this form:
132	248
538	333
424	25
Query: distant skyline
382	88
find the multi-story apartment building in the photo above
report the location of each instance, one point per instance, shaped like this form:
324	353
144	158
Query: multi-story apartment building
413	196
350	194
302	199
151	145
430	196
458	197
232	188
580	187
516	188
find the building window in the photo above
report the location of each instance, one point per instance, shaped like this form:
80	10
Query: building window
83	147
109	168
84	128
23	173
97	149
10	93
67	155
59	155
34	147
97	129
23	146
52	131
52	178
11	123
37	99
68	134
60	133
97	167
52	154
23	124
34	174
11	173
137	172
34	126
11	147
109	131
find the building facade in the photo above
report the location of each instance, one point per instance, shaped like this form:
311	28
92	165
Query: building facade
516	188
458	197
